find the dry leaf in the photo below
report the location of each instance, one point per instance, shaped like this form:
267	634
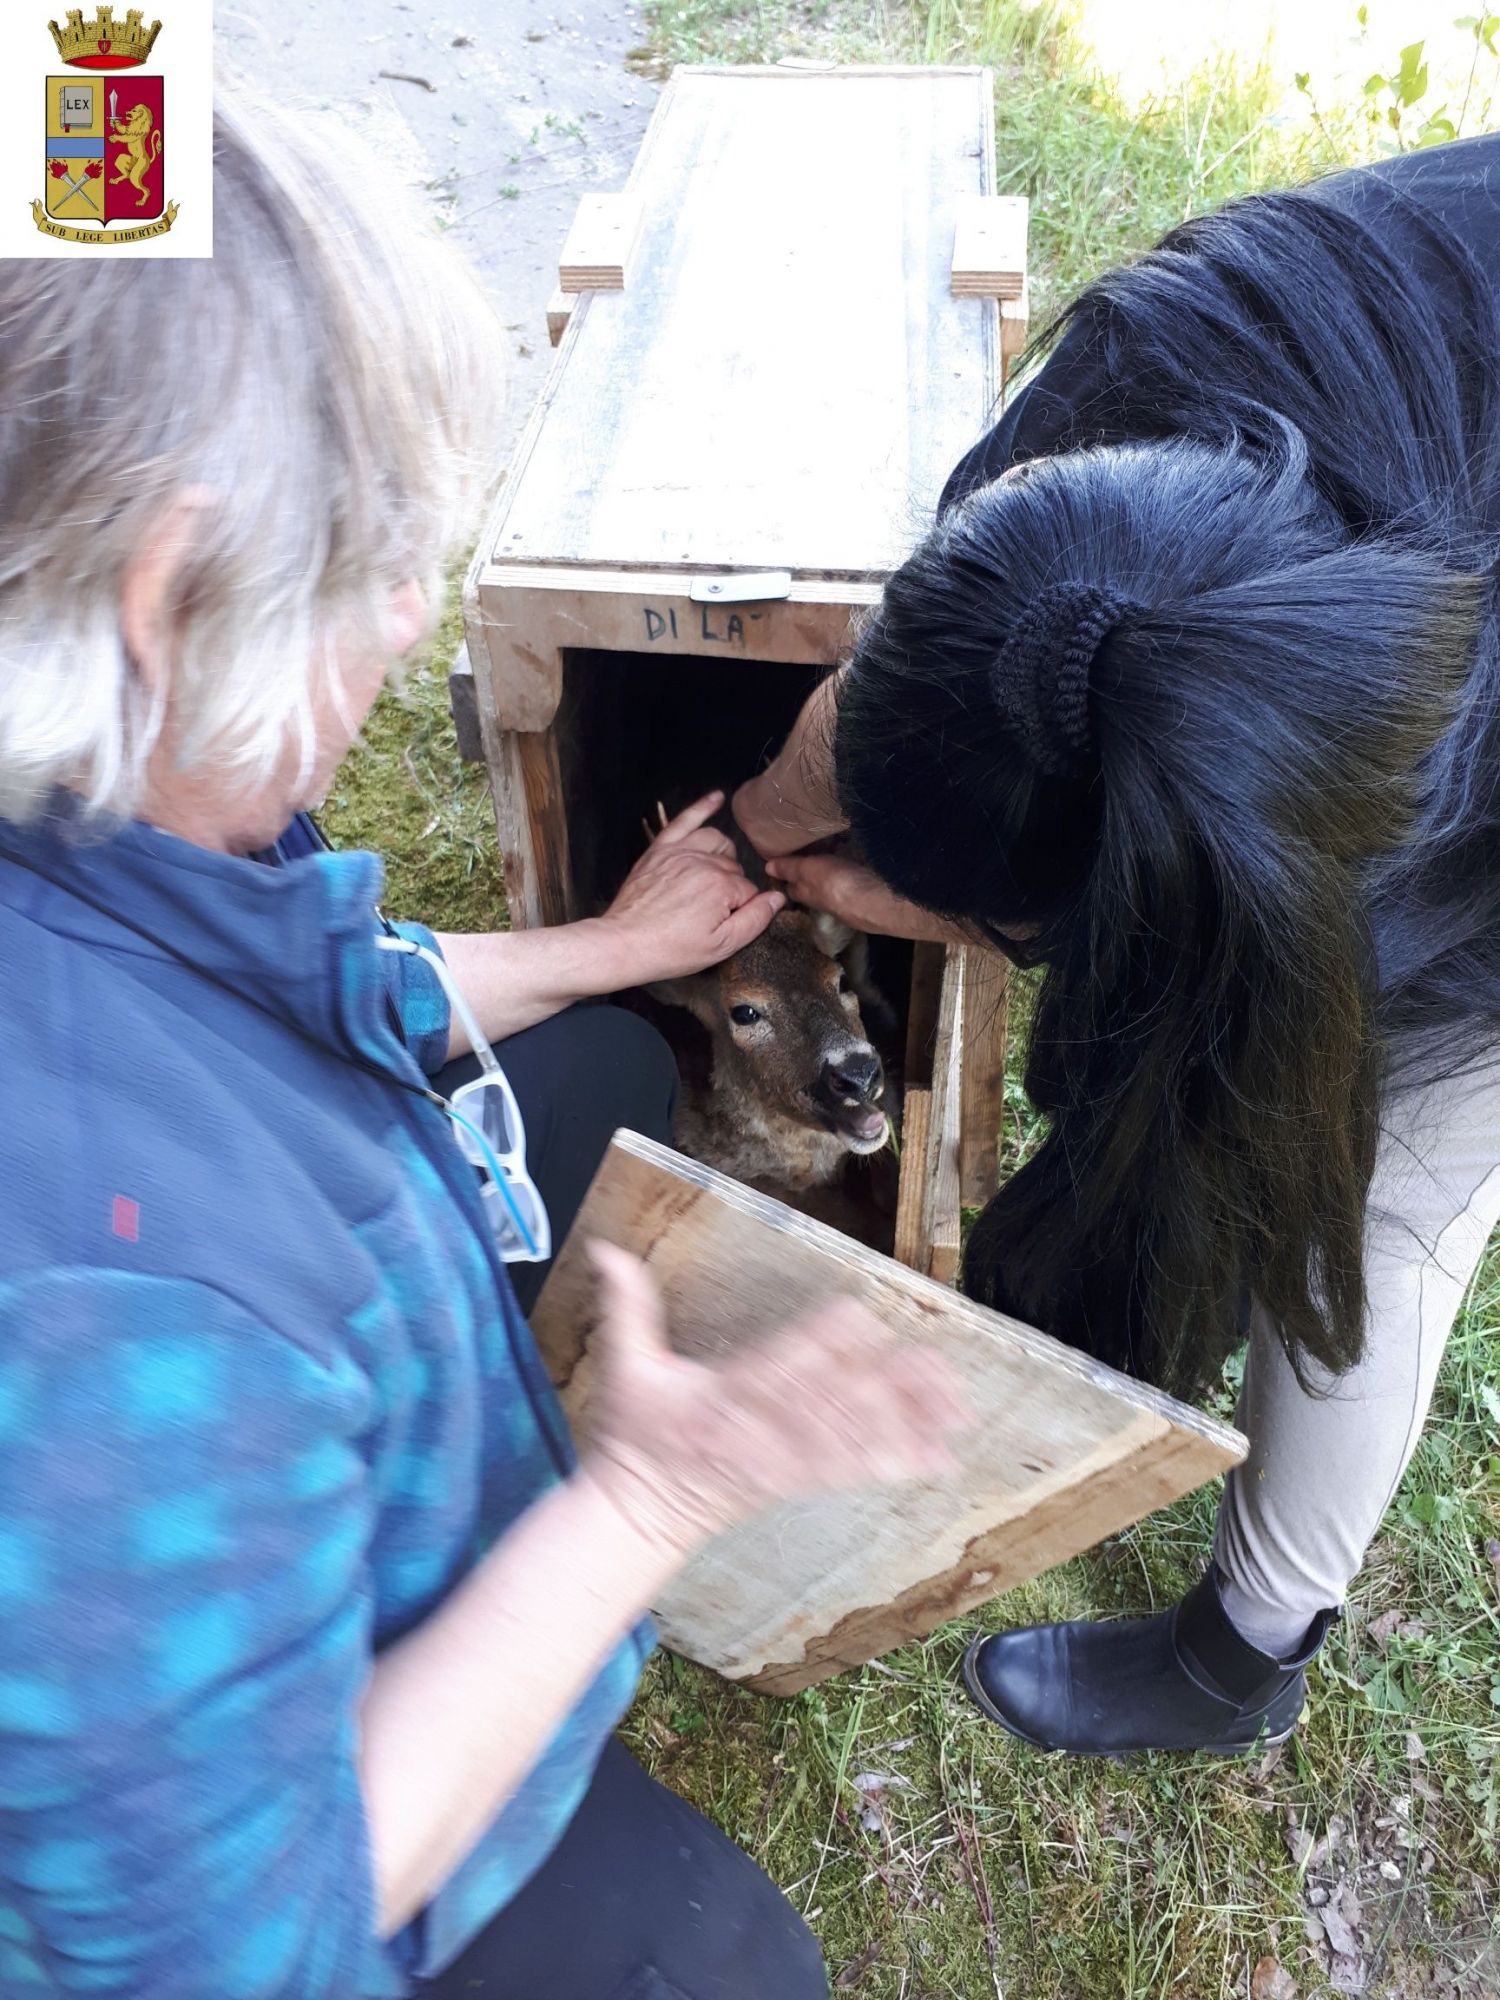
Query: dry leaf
1381	1628
1336	1929
856	1969
1271	1981
1416	1749
1346	1975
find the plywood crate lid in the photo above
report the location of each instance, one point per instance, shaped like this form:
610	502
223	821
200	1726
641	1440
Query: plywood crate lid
786	379
1063	1453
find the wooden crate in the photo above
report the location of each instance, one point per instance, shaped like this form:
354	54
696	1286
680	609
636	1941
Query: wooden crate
1063	1453
741	435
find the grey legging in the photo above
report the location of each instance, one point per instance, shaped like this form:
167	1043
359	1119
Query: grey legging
1300	1513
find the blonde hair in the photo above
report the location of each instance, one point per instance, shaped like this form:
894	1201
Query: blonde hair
331	381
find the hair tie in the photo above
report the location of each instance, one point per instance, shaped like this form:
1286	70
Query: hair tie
1040	678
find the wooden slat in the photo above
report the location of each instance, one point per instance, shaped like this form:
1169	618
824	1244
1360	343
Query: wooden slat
559	312
1062	1452
1015	322
912	1242
928	962
706	416
463	705
986	990
944	1210
600	244
526	784
928	1212
518	622
989	246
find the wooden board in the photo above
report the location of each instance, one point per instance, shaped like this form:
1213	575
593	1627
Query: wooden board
911	1246
786	380
600	244
944	1210
1063	1451
559	312
989	246
928	1215
1015	321
986	997
521	619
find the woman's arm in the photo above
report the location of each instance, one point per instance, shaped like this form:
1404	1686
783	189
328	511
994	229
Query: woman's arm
794	800
460	1710
513	979
685	905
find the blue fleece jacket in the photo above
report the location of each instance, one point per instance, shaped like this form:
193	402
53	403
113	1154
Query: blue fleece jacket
265	1396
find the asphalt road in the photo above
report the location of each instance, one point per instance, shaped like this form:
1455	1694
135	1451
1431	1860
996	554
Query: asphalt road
506	112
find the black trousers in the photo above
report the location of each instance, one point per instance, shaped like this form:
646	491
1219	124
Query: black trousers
643	1899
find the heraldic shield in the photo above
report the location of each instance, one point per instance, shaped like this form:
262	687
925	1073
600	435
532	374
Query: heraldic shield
104	148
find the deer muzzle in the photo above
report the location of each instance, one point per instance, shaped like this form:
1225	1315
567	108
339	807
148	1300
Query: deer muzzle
847	1096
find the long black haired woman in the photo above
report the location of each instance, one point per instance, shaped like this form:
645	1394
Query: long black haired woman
1192	699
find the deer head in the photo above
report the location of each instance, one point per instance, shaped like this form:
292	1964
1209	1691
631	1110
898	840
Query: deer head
788	1041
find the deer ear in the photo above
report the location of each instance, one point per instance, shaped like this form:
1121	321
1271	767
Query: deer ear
831	934
688	993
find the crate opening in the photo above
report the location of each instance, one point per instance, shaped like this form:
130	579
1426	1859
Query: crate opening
635	729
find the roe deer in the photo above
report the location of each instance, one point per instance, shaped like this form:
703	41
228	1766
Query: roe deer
794	1085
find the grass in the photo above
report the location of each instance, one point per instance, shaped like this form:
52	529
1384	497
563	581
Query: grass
934	1857
406	794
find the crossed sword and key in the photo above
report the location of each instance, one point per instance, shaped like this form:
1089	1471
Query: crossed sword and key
78	183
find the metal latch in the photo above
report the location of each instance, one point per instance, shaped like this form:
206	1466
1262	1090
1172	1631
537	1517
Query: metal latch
741	589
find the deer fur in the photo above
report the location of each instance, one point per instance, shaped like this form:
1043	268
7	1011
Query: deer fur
767	1108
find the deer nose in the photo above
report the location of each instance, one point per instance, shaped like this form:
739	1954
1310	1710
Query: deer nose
855	1077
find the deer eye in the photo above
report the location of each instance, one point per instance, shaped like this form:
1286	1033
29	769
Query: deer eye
744	1017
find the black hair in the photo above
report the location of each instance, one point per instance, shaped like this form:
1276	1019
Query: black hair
1265	876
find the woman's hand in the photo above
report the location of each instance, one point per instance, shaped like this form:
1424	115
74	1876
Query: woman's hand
685	1450
686	904
857	896
458	1711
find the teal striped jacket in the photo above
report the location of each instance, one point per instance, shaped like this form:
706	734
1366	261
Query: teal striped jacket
265	1397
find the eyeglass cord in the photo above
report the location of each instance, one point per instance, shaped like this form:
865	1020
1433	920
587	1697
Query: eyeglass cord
497	1173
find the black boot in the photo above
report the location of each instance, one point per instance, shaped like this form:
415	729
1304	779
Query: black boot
1184	1680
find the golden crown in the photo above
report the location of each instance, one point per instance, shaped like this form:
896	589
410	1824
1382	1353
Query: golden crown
104	42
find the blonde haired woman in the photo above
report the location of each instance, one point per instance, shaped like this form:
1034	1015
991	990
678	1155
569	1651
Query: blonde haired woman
312	1629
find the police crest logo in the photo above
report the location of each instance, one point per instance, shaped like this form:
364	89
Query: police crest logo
126	154
105	136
